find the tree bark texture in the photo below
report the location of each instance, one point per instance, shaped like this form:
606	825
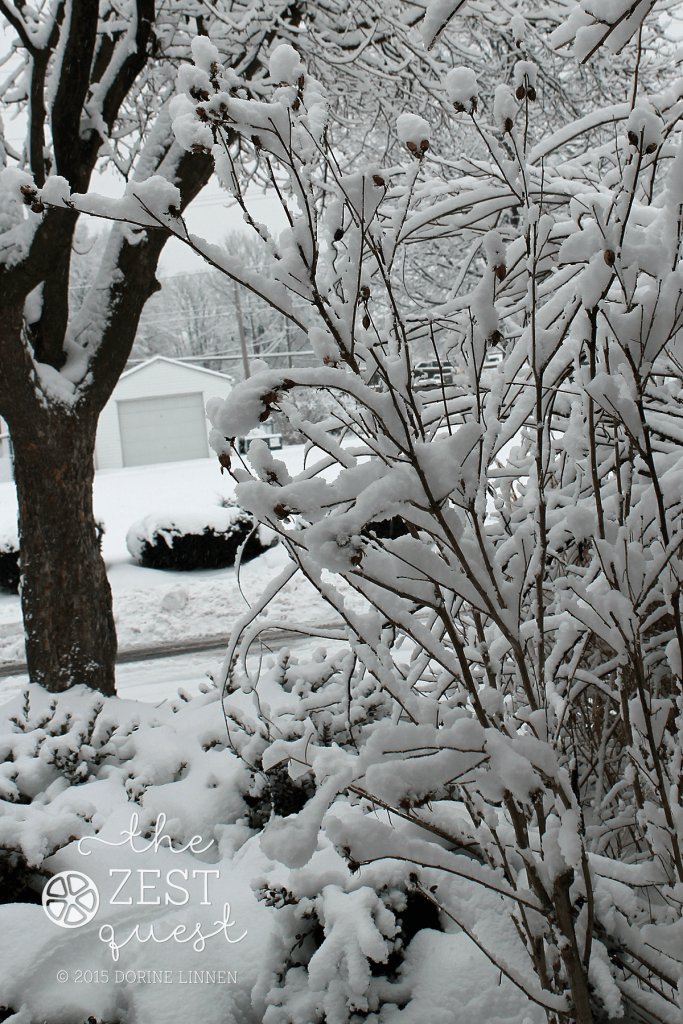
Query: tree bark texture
65	595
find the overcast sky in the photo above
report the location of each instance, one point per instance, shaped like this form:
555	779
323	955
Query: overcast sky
212	215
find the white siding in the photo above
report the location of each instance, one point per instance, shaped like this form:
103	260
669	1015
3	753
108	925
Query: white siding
158	377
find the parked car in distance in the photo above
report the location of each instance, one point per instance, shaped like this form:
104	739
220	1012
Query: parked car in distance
428	374
274	441
493	357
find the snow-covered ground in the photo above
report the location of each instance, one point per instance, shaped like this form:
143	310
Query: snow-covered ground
214	597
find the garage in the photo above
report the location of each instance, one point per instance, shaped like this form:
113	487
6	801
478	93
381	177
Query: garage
157	414
167	428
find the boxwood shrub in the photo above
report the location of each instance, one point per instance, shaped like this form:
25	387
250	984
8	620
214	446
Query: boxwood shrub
204	539
10	572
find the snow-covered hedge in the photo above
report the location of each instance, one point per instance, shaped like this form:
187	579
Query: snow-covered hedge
9	559
208	538
10	572
327	942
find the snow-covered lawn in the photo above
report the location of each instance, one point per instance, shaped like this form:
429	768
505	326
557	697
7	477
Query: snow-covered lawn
214	598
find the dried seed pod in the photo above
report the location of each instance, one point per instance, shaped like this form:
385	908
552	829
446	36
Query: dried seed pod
224	460
609	257
424	145
531	93
357	558
198	148
366	321
508	125
633	139
339	234
296	104
38	208
201	114
500	271
651	147
378	180
412	147
281	511
29	193
520	92
365	291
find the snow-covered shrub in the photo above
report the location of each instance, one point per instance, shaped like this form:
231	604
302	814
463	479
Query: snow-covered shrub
10	573
57	752
313	407
386	529
78	768
508	715
275	793
207	539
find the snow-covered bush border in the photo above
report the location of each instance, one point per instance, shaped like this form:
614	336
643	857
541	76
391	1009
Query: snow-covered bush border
212	537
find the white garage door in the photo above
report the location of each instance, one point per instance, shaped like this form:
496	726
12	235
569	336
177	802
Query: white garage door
167	428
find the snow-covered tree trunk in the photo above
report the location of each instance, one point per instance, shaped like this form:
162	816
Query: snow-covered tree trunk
66	598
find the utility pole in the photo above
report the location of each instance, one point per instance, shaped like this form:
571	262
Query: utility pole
240	324
289	344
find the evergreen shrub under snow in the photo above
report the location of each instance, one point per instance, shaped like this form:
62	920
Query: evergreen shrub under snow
206	539
10	572
325	938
